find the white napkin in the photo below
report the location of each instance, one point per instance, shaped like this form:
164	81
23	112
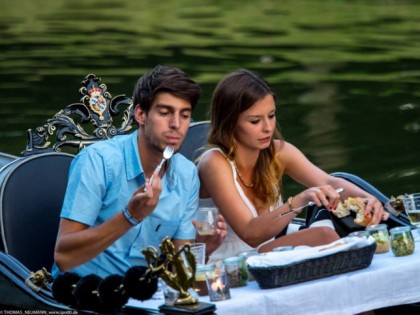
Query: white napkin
306	252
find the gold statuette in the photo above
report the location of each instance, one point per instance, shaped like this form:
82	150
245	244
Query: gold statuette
171	267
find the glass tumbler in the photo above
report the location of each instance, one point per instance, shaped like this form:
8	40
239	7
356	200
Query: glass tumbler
200	278
412	208
206	220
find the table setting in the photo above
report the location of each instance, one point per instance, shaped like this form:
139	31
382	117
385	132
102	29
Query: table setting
386	282
366	270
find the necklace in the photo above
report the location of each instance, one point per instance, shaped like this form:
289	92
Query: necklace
241	179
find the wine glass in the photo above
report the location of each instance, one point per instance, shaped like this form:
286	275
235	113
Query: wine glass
412	208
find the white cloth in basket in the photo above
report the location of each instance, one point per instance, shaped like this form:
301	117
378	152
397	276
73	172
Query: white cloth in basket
300	253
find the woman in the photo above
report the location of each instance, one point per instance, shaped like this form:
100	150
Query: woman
243	168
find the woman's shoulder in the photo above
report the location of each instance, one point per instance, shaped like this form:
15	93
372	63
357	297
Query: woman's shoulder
283	146
212	150
287	152
211	153
291	158
212	156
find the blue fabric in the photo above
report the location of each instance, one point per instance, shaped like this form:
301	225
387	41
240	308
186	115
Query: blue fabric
102	179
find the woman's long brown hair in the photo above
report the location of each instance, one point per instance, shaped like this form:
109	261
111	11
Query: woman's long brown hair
234	94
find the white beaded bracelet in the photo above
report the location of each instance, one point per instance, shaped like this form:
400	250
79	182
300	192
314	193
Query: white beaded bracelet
127	215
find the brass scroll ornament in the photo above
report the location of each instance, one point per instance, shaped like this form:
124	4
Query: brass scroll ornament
173	269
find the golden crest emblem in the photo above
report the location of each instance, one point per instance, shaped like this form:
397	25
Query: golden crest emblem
97	102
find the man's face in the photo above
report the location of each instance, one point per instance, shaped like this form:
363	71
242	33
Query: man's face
166	123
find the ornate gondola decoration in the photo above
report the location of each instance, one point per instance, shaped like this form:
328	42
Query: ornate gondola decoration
103	295
38	280
71	125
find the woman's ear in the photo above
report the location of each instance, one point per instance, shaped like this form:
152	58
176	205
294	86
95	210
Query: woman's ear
139	115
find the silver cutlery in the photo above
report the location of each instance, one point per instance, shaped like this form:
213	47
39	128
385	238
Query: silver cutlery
167	154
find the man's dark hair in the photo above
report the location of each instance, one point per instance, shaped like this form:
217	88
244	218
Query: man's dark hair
165	79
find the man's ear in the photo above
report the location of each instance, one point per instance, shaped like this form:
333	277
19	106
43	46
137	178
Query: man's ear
139	115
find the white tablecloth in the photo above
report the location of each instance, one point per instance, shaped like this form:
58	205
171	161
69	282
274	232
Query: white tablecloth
388	281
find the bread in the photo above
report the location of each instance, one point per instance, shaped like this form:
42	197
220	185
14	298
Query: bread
363	219
341	210
355	205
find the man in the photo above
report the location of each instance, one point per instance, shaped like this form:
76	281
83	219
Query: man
111	212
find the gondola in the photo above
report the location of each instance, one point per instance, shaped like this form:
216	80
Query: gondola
32	187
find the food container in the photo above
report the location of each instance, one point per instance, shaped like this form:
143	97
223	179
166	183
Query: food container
237	271
380	233
246	255
200	278
360	234
402	242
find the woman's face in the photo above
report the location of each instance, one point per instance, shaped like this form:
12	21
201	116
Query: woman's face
256	125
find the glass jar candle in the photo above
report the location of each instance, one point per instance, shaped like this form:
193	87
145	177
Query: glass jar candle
218	287
402	242
200	278
237	271
380	233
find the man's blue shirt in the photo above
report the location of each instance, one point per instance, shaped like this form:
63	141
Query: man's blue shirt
103	178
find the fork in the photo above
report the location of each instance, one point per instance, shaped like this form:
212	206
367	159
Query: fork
167	154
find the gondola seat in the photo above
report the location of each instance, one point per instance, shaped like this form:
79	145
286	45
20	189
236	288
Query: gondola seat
195	140
32	189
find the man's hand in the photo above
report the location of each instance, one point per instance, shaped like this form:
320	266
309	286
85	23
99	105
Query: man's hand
144	201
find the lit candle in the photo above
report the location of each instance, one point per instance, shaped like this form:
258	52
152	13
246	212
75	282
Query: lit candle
217	285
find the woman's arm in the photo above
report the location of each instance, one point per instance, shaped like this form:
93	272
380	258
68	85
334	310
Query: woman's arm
300	169
217	182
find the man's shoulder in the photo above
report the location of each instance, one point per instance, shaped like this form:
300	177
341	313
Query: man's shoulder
183	165
105	149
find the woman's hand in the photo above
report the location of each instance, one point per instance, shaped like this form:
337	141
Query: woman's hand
375	208
216	239
326	196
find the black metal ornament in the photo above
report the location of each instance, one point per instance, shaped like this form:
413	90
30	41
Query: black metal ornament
86	293
112	294
63	287
140	283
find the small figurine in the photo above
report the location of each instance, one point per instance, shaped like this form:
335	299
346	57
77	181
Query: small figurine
182	277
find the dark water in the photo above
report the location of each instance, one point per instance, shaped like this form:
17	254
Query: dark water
347	72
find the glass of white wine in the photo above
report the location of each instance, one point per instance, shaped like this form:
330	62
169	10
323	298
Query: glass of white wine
412	208
206	220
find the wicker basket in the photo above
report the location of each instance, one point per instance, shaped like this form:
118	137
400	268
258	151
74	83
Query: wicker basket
311	269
